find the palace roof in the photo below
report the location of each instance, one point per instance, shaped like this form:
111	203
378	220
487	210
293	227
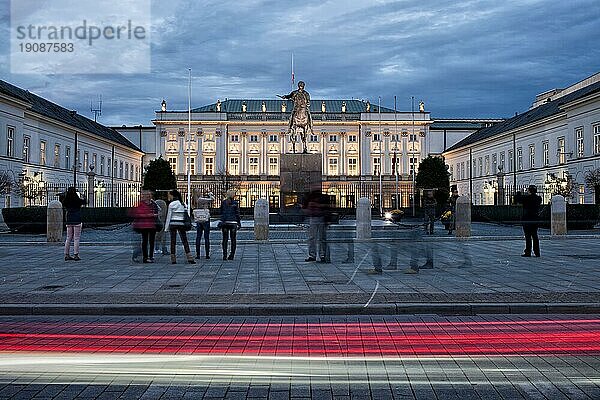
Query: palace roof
58	113
274	106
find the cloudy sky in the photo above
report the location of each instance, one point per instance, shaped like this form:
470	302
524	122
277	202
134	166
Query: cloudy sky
462	58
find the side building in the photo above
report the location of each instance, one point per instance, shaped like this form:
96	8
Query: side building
552	145
44	148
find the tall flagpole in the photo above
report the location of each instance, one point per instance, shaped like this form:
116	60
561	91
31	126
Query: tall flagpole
380	163
292	83
412	152
189	141
396	153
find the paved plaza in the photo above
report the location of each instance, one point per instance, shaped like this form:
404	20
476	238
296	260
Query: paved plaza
480	270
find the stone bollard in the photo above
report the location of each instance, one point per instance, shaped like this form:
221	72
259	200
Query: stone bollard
261	219
558	216
54	222
363	219
463	216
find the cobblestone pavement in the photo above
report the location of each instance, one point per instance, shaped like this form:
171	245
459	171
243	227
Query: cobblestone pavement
427	357
474	270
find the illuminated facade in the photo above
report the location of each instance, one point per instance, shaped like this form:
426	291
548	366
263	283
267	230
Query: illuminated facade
241	141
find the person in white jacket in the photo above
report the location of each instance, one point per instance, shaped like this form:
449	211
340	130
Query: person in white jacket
174	223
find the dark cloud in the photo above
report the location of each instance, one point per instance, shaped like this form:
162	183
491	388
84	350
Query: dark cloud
464	59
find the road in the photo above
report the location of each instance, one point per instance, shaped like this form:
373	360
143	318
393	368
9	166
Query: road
350	357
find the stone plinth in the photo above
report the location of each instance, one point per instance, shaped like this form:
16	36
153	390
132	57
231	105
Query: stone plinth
363	219
54	221
558	216
300	172
261	219
463	216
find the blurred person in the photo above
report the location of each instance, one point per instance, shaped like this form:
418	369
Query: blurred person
530	219
72	202
145	218
202	219
230	223
176	223
314	209
450	221
429	208
160	243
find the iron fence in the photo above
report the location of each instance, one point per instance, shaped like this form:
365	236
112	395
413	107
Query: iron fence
105	195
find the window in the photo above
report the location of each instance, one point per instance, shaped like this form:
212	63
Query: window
10	141
173	163
487	165
314	138
253	166
78	161
413	165
531	156
121	169
67	156
520	159
352	138
56	162
376	166
462	170
395	137
480	166
511	161
581	194
209	166
234	166
546	152
494	163
451	170
254	138
333	138
26	144
412	137
474	168
274	138
502	165
333	166
126	171
561	150
580	143
376	137
457	171
235	138
192	165
101	165
95	161
209	137
137	173
273	166
86	161
353	166
42	152
596	129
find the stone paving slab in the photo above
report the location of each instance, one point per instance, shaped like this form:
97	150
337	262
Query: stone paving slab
466	272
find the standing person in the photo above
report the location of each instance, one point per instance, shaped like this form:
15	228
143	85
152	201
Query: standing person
145	216
160	242
72	203
451	222
175	222
230	223
531	209
429	206
202	218
312	207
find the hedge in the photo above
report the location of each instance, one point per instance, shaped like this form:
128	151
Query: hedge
579	216
33	219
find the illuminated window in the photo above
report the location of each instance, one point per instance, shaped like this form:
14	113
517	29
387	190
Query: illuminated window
273	166
597	139
173	164
10	141
561	150
234	166
333	166
253	166
42	152
209	166
26	144
487	165
353	166
520	159
376	166
511	160
546	152
86	161
580	143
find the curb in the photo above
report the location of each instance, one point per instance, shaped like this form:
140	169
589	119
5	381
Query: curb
296	309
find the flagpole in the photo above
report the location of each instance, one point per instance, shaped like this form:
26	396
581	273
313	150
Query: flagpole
380	163
292	82
412	152
396	152
189	140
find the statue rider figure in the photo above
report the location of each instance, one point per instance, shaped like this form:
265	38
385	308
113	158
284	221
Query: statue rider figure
301	114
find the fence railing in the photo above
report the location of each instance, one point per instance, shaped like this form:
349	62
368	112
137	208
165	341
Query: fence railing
106	195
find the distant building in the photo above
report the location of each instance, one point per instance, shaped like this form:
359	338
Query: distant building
44	148
555	142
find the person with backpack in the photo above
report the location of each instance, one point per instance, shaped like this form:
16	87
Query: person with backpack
178	221
202	219
72	203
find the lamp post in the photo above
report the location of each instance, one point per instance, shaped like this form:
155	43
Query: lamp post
395	153
189	152
380	162
412	153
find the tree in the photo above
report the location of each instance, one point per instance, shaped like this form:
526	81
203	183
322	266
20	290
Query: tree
7	183
564	187
433	174
592	182
159	176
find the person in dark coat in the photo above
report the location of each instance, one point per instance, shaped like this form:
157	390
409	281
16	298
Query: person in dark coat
531	209
145	215
72	203
230	223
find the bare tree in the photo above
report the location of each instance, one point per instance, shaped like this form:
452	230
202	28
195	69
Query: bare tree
7	183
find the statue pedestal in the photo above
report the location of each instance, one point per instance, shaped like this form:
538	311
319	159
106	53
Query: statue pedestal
299	174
